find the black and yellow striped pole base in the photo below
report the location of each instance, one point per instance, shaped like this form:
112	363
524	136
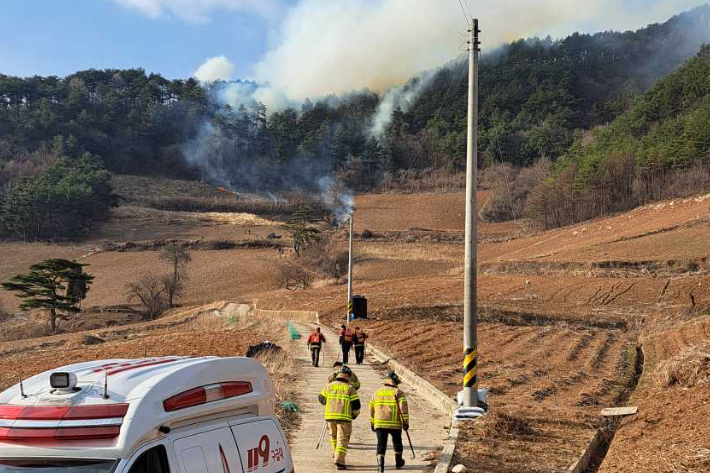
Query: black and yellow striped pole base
468	401
349	312
470	368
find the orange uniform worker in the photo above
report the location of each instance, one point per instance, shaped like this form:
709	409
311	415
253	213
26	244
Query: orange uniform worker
359	338
346	342
315	343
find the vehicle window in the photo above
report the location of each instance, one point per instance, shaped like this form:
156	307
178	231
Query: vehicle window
43	465
154	460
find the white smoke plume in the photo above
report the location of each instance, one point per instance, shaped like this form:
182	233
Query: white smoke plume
336	46
402	97
215	68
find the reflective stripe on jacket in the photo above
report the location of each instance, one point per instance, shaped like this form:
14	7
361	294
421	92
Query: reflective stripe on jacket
354	380
341	401
388	408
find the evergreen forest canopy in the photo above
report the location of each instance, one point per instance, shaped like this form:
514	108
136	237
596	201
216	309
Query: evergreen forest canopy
537	97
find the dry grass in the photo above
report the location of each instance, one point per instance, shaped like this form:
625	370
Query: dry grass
280	365
132	212
696	461
501	424
447	253
691	368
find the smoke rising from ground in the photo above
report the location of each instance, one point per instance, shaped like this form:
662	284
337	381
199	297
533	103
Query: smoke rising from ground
216	68
402	97
335	47
222	161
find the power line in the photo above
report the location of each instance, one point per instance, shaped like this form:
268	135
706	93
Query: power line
463	10
457	81
468	9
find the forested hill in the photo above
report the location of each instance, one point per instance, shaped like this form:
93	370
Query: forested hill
536	93
658	149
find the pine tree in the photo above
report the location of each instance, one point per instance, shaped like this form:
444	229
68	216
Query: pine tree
57	285
302	232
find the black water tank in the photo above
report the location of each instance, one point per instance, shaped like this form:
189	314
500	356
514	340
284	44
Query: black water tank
359	307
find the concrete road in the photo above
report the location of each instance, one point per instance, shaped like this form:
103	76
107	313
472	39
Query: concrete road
428	425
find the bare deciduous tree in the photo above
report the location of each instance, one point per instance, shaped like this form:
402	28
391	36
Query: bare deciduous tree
178	257
150	292
294	277
174	287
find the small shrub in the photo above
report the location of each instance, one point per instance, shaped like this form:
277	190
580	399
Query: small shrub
501	424
294	276
691	368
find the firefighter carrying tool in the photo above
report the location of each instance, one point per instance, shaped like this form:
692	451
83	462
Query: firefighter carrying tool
315	342
342	406
359	338
389	415
354	381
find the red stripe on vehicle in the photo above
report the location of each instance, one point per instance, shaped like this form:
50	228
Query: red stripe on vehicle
103	411
140	365
74	433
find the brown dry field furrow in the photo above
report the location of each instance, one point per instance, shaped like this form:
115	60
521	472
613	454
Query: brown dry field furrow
670	431
555	378
571	243
202	342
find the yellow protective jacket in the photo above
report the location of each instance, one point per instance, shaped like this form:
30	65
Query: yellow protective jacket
388	408
354	381
340	400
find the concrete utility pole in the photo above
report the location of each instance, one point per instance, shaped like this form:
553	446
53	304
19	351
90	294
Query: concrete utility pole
470	325
350	272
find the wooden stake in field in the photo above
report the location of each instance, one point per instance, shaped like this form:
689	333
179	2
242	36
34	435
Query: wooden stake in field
470	335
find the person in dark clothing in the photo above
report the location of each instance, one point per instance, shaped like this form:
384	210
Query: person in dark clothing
346	342
315	343
359	338
389	415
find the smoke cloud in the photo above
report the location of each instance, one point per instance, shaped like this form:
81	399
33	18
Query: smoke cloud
216	68
336	46
222	161
402	97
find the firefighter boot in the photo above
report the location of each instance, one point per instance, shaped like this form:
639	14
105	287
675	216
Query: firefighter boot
398	461
380	463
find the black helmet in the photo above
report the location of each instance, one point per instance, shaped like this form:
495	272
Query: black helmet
345	370
391	375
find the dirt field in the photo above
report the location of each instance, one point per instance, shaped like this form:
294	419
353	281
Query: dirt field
562	315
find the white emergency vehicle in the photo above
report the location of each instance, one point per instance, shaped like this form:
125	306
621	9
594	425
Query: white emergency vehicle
157	415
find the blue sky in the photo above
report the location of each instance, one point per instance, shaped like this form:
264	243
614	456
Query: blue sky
59	37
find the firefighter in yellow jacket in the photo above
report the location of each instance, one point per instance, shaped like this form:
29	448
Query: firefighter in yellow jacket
353	377
389	415
342	406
